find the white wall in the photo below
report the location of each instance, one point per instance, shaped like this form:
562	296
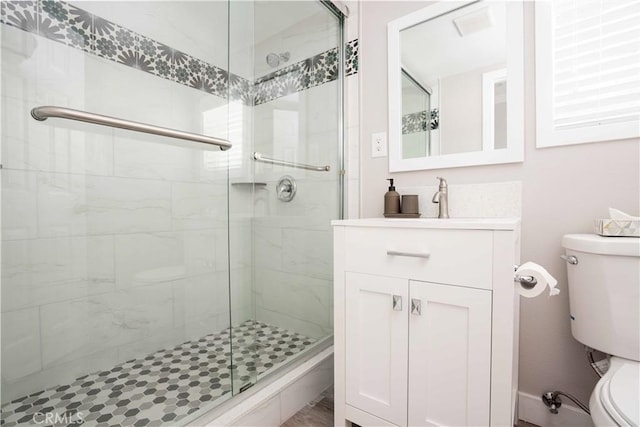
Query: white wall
563	190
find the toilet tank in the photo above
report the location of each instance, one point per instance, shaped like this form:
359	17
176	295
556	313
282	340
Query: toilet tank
604	292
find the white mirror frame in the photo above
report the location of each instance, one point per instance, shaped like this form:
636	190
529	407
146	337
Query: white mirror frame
514	152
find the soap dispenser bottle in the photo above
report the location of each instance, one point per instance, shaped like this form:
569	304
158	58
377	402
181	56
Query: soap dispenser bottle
391	200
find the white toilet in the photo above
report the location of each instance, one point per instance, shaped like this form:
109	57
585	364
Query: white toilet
604	300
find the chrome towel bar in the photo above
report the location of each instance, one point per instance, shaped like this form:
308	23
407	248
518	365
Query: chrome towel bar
260	158
44	112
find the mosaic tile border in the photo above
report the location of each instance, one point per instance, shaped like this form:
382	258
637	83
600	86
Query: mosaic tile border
314	71
351	55
67	24
164	387
417	122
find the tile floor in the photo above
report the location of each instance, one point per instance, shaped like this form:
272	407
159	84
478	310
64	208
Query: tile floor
319	413
164	387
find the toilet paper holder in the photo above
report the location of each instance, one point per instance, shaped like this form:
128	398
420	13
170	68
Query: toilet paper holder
527	282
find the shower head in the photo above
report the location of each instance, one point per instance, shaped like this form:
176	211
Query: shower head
274	59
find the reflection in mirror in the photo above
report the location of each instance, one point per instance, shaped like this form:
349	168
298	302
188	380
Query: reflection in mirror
418	122
471	41
452	83
494	110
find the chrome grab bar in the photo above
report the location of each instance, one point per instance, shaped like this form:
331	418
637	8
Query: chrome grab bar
260	158
44	112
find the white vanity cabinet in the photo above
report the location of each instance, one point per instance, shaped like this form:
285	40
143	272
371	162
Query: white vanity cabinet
425	322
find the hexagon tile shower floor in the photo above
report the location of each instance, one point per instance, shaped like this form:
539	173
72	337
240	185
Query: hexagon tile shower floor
163	387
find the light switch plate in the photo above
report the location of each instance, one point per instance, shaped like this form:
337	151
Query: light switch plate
379	144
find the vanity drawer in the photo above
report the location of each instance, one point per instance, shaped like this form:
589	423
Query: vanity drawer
455	257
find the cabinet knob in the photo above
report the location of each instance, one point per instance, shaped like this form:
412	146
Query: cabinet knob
397	303
416	306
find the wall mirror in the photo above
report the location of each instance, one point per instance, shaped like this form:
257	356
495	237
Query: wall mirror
456	86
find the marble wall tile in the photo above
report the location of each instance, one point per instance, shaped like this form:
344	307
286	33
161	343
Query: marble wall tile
42	271
298	296
308	329
267	246
321	110
59	374
73	329
19	201
241	295
306	29
199	112
308	252
144	259
163	22
200	299
198	206
147	345
62	204
240	244
51	145
205	251
63	74
108	84
315	200
96	29
20	343
19	74
205	326
149	157
120	205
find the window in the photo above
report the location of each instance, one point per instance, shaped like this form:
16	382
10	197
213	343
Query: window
587	71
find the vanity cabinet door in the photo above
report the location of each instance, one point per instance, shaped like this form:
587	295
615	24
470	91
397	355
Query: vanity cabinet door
376	311
449	355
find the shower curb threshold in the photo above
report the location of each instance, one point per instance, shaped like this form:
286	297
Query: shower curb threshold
260	396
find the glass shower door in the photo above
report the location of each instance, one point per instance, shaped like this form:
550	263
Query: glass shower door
281	243
115	268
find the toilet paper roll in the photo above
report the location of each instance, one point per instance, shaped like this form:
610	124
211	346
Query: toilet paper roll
541	275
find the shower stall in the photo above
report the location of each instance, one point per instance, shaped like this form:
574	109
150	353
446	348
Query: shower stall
147	274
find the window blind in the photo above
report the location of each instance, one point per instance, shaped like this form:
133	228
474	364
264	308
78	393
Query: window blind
595	69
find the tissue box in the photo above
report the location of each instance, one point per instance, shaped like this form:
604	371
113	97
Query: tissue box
618	227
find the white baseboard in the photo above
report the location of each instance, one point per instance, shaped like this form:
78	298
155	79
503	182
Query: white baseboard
532	410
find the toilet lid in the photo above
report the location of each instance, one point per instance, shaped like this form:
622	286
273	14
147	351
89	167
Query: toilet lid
621	395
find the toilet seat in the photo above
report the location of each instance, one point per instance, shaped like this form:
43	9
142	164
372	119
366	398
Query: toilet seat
618	393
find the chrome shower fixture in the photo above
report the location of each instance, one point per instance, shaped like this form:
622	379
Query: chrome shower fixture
274	59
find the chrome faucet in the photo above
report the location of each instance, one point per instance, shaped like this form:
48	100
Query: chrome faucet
442	199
